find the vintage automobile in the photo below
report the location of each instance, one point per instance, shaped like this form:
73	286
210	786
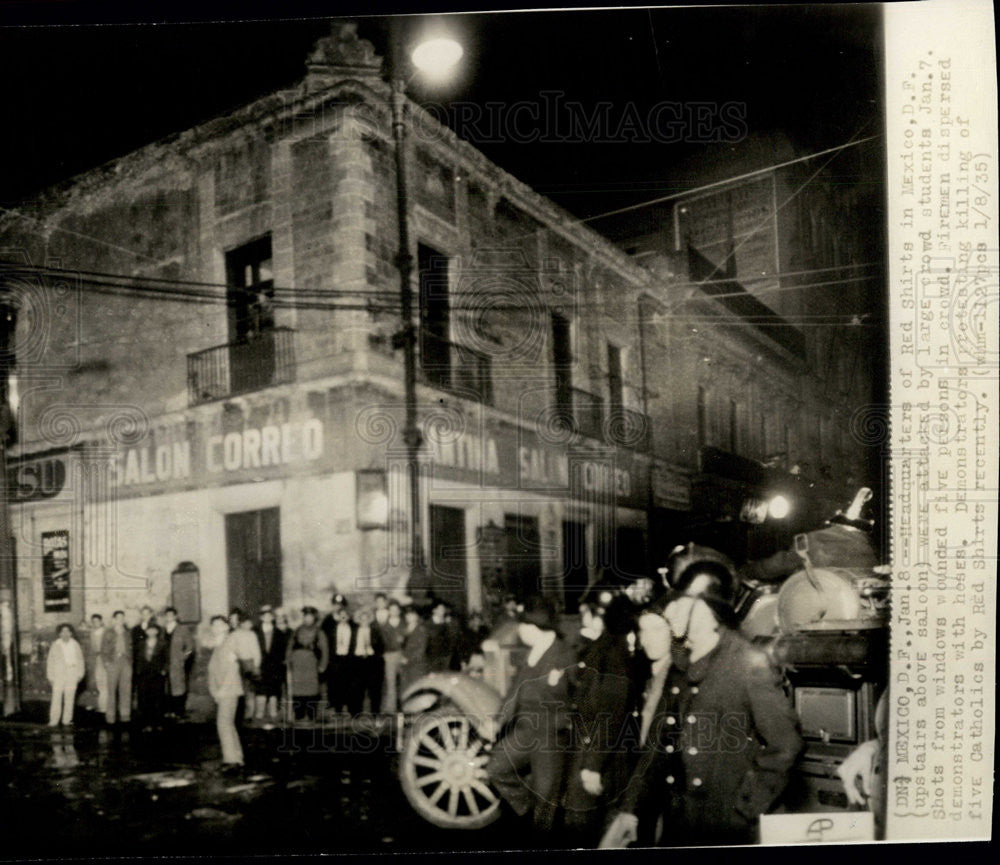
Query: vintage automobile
825	627
449	721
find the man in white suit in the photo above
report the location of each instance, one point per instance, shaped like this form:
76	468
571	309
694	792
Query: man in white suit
64	670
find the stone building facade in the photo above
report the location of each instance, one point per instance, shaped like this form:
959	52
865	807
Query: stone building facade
210	401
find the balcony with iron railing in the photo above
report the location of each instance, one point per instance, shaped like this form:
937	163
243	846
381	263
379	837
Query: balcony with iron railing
456	368
258	361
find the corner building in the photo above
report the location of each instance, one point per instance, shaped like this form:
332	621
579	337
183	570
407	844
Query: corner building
211	405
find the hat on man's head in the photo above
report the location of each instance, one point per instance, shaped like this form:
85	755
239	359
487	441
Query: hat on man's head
339	599
267	608
310	611
541	612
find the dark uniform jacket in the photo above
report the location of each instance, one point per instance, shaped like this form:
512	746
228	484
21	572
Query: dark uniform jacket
607	729
720	748
542	694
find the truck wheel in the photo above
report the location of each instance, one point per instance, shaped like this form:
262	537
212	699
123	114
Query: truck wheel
443	772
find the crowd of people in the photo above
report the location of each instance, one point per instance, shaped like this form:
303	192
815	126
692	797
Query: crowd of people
139	673
350	660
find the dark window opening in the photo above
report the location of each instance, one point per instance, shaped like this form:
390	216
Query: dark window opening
435	315
250	289
575	571
562	361
615	387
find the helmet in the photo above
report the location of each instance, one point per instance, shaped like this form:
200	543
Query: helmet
701	572
682	557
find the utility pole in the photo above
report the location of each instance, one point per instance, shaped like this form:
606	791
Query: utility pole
11	673
407	336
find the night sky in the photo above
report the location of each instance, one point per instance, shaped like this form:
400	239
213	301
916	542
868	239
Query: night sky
77	96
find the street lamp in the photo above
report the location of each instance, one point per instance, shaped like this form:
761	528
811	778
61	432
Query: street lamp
435	57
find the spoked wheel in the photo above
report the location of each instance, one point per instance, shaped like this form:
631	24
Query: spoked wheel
443	773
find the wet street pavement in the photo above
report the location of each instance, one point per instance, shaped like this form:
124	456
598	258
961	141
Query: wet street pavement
94	792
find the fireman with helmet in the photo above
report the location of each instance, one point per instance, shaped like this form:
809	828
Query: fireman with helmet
724	735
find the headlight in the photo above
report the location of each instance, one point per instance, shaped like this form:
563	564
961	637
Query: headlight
421	702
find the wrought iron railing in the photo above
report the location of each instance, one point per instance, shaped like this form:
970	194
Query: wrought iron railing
260	360
457	368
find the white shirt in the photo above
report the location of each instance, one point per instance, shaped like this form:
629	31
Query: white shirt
541	647
363	646
343	638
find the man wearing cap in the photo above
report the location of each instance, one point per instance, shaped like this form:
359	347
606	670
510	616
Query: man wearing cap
528	762
725	734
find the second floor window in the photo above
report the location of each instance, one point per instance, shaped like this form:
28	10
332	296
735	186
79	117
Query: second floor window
250	289
615	377
562	359
435	315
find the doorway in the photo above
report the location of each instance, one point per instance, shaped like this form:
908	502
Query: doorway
253	558
523	554
575	573
448	577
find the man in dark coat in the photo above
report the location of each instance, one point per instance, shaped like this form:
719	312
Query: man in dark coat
725	734
606	728
151	678
443	639
342	671
273	646
180	647
146	618
528	762
368	663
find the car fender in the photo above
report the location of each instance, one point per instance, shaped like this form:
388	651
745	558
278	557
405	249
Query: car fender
472	697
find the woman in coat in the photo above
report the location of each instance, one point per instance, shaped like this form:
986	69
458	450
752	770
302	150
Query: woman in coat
307	657
64	668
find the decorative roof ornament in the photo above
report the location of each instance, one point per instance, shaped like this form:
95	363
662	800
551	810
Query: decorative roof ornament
341	55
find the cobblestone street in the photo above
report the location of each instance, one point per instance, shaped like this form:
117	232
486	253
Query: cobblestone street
304	791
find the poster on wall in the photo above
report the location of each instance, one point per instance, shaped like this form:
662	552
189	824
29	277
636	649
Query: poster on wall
55	571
